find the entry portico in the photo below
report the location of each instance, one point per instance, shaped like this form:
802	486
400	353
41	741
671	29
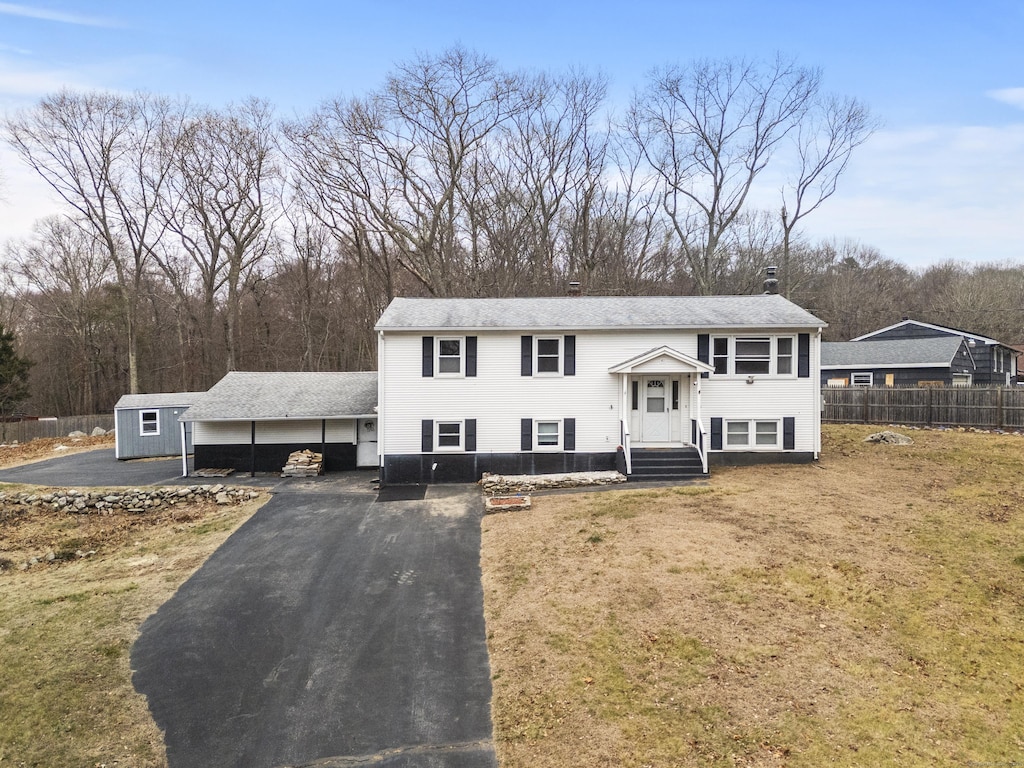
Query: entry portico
661	401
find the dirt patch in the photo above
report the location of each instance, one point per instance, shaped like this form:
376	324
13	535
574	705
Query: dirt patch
865	610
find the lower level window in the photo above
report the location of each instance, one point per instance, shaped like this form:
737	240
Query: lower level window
961	379
549	434
149	422
752	434
861	379
449	435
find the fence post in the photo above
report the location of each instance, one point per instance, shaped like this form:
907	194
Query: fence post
999	408
928	413
866	411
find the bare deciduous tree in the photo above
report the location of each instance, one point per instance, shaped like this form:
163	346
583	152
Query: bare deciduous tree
108	156
708	130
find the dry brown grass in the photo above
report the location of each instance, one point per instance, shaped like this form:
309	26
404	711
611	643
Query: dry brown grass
868	610
66	628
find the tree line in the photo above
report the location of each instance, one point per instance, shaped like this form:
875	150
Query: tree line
195	240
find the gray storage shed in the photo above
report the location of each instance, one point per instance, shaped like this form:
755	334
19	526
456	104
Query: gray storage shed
148	426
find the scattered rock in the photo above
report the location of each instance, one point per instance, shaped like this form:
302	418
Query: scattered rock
98	432
77	434
890	437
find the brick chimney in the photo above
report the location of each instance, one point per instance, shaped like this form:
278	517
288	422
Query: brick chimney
574	288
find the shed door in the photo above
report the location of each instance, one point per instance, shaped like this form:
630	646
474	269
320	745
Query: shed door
655	409
366	442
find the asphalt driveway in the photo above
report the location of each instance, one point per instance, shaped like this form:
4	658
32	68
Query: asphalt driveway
97	468
332	631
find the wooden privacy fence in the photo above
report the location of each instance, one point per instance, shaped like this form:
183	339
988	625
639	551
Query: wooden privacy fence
983	407
23	431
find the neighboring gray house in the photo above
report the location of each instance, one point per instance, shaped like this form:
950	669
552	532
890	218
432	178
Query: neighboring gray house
147	425
252	421
993	363
940	360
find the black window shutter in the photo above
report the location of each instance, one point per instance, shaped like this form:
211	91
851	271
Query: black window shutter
526	434
428	355
569	434
675	394
636	396
428	436
526	348
470	440
471	355
788	433
704	350
803	364
569	350
716	433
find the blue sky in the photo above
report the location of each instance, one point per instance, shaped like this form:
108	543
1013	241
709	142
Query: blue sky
943	178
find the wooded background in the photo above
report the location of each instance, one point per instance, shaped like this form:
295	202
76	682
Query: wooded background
196	240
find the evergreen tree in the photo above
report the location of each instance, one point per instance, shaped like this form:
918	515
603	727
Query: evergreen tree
14	369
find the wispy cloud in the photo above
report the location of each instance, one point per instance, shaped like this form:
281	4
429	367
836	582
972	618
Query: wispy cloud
12	49
45	14
1012	96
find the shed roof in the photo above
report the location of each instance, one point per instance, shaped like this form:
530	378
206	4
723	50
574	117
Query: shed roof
158	400
931	327
597	313
261	396
925	352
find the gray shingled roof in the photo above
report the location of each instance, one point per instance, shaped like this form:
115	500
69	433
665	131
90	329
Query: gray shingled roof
250	396
158	400
904	352
596	312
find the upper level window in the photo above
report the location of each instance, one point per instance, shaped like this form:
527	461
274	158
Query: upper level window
721	355
450	360
754	355
548	353
149	422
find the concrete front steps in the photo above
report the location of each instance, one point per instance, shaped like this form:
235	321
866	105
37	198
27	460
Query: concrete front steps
665	464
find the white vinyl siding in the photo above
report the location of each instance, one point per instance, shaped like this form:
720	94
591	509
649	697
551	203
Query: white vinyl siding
272	432
500	396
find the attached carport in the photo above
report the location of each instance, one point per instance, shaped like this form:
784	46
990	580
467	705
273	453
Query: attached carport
252	421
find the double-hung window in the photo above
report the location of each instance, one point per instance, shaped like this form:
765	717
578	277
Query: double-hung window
720	358
449	435
450	359
753	355
149	422
548	435
548	353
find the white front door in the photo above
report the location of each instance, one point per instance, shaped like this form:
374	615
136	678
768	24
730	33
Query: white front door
655	409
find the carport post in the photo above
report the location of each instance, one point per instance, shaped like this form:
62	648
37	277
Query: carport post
323	443
252	455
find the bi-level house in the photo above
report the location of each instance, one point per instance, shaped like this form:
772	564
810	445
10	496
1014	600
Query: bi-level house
659	387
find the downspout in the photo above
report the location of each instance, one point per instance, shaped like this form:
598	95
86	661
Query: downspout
816	378
184	452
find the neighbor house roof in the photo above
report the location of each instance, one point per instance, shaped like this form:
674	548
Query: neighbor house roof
940	328
597	313
892	353
158	400
250	396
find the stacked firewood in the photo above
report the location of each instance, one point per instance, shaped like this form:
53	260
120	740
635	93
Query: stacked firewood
304	464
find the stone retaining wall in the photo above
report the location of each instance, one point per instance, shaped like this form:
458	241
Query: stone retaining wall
134	500
500	485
